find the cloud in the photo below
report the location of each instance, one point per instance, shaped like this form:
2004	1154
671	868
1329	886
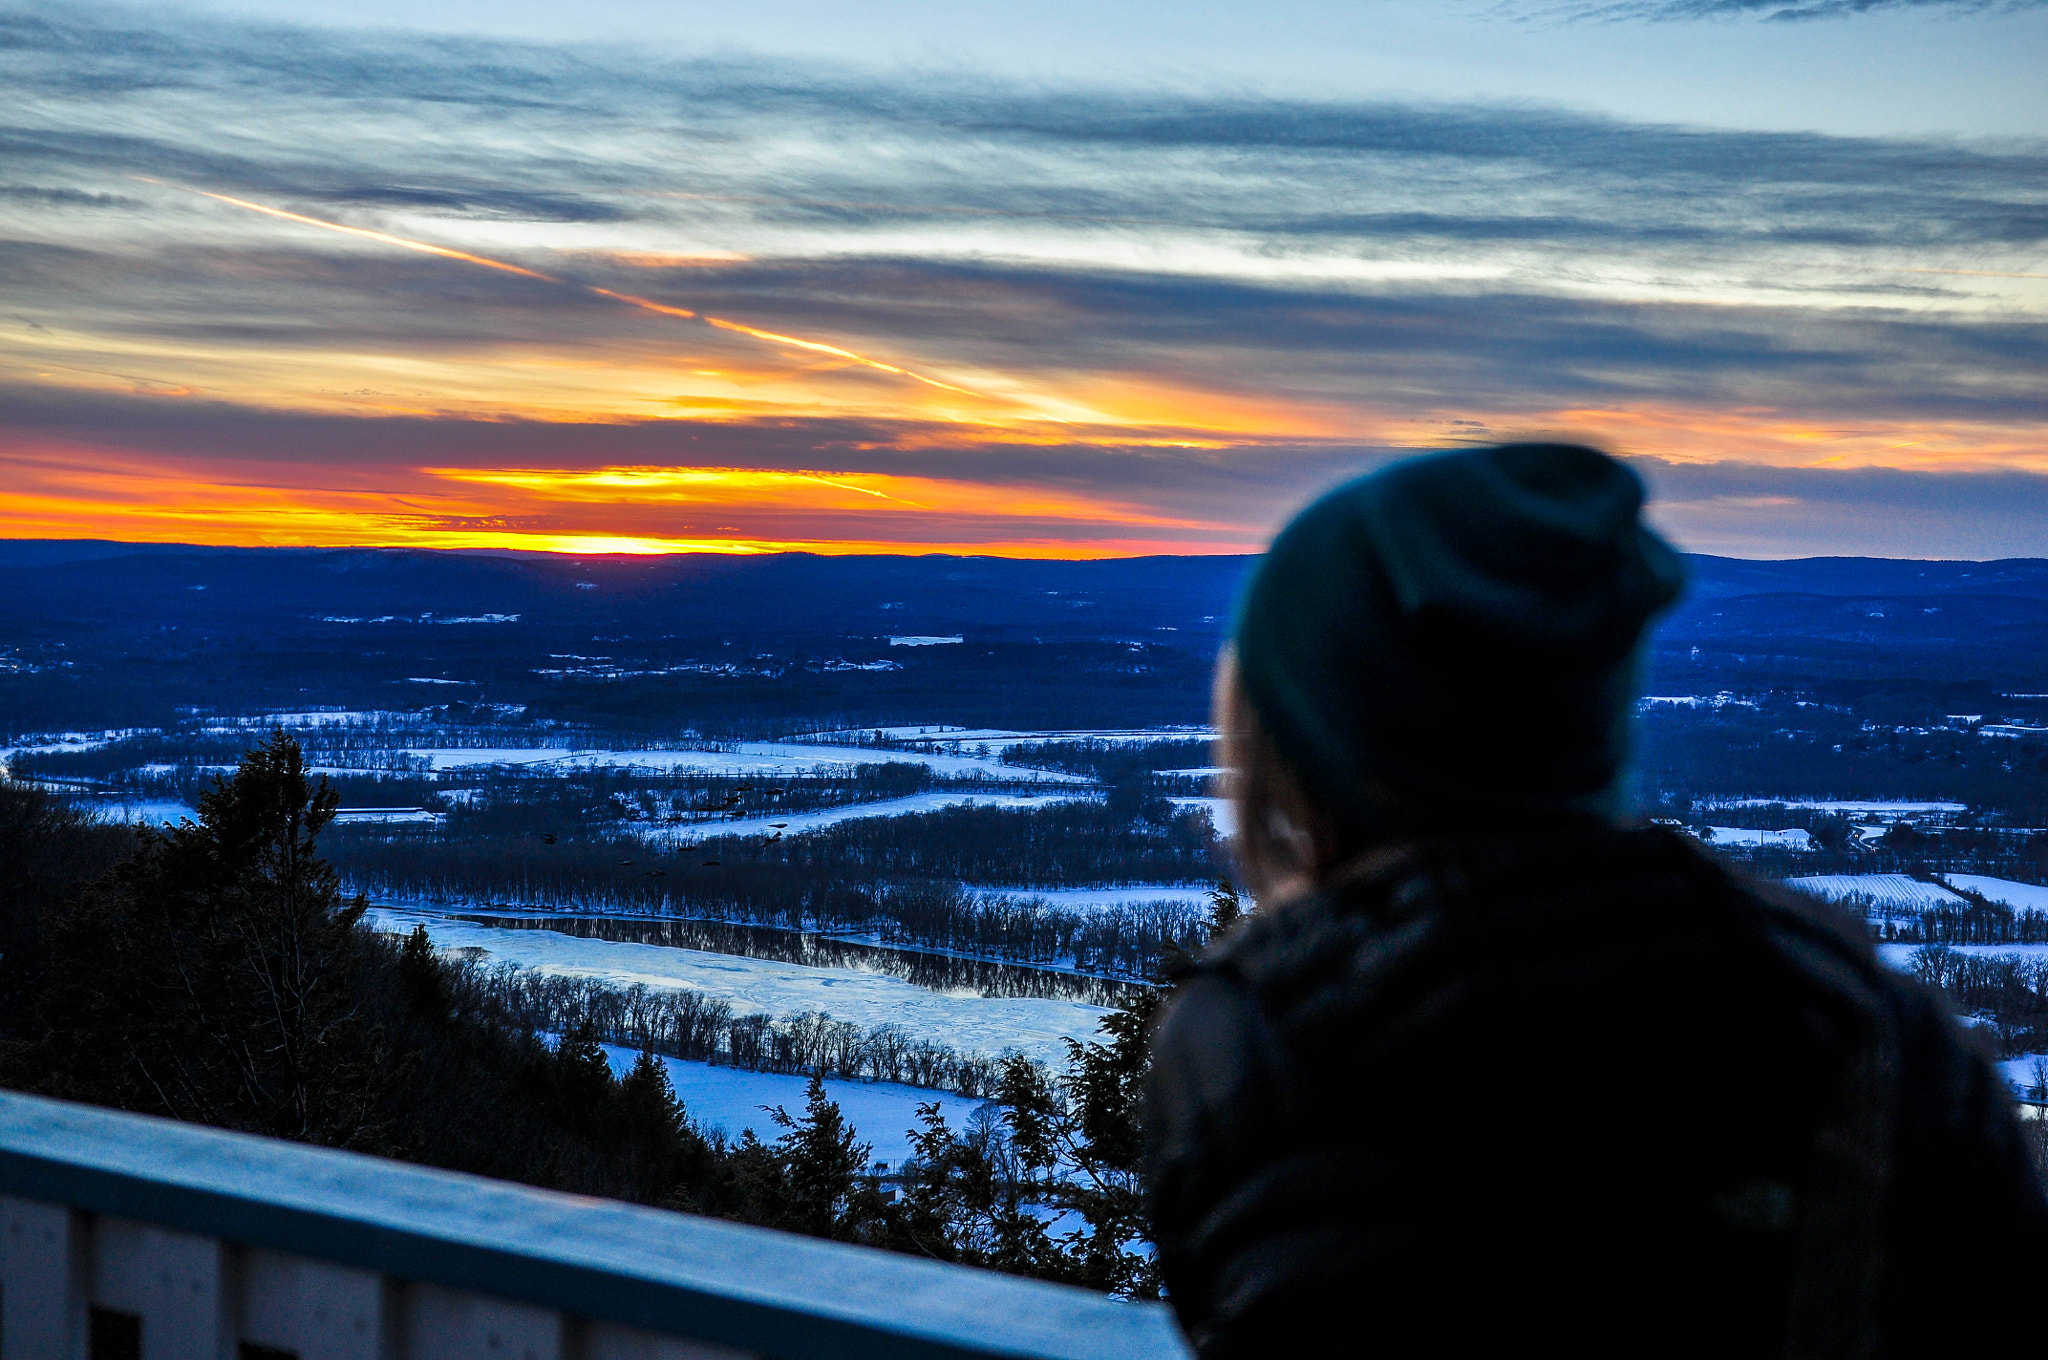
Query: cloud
1779	11
478	201
62	198
1741	510
1491	350
1206	306
584	131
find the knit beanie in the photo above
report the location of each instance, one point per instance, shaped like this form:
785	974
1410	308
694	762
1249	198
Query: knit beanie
1457	635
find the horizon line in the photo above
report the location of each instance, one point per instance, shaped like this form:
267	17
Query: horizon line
861	550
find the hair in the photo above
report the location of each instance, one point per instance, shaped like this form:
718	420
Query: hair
1285	842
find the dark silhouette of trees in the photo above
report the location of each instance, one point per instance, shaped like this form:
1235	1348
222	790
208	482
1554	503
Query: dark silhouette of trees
217	975
49	852
211	975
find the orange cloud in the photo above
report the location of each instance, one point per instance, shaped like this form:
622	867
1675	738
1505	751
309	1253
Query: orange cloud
68	492
788	492
1781	438
665	259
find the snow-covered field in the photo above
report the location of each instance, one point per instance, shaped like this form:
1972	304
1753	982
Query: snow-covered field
2025	896
2019	1072
1901	893
1034	1026
1001	738
1896	891
358	717
732	1100
1086	899
1795	838
791	824
144	811
1722	700
742	758
1879	808
49	743
1901	955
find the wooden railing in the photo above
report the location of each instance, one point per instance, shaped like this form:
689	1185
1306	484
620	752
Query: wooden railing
127	1236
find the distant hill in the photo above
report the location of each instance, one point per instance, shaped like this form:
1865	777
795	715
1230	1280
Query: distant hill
1721	577
97	634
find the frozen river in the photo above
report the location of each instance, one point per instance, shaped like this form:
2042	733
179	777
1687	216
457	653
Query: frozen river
1034	1026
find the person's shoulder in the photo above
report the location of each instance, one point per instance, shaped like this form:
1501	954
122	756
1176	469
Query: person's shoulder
1368	920
1819	935
1540	895
1830	950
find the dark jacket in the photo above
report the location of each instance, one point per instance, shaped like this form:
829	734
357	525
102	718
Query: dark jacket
1587	1089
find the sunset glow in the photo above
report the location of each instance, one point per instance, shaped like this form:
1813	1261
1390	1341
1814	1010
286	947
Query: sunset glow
802	315
723	510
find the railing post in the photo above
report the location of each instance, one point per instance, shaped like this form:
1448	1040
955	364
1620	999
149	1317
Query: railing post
43	1280
314	1310
448	1324
609	1341
177	1283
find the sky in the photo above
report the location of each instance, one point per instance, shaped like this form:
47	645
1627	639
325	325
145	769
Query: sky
1058	279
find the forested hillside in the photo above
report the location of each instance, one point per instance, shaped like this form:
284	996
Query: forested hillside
215	972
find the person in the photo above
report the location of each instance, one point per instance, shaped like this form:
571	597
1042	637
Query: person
1494	1068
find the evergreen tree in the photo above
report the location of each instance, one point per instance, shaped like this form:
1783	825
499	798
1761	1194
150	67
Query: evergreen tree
648	1101
824	1162
970	1198
1072	1142
1225	907
809	1180
210	977
585	1090
422	976
1104	1139
671	1162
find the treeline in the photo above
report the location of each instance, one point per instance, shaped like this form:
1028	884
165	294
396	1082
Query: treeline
1082	843
217	974
2002	852
375	742
1122	939
2008	994
1976	922
1111	761
1790	747
687	1024
585	802
146	758
935	970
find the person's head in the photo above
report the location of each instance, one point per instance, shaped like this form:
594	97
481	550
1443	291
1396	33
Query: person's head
1447	646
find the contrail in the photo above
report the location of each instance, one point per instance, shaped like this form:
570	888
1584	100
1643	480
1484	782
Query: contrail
385	238
829	349
644	304
848	486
